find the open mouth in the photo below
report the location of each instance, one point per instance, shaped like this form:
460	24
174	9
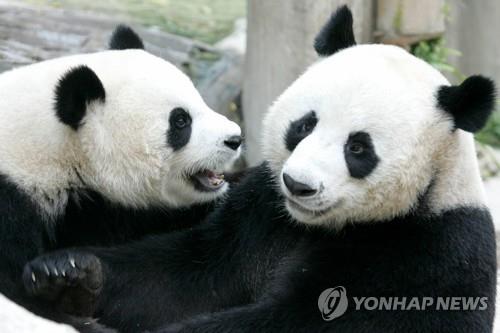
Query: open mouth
208	181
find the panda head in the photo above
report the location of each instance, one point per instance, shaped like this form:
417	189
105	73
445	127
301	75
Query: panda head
143	132
370	132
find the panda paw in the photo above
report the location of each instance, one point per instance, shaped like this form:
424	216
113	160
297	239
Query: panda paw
71	280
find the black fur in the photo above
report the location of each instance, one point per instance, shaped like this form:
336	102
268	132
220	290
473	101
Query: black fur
124	38
470	104
75	90
89	219
337	34
300	129
360	164
179	130
251	269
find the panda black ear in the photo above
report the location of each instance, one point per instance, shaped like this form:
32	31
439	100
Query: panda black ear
124	38
470	103
336	34
75	90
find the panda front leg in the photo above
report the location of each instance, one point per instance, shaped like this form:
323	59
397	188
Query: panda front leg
285	313
258	317
71	280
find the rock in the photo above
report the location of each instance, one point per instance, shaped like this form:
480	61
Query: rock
221	87
237	41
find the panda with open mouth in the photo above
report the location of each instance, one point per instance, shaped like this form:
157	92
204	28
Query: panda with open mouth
370	186
100	149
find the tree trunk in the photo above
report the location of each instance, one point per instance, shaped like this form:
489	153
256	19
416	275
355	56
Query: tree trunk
280	47
473	30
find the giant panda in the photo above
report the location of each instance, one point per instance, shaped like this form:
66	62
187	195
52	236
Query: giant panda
100	149
370	188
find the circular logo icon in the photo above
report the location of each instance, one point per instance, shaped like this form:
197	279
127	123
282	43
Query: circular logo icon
332	303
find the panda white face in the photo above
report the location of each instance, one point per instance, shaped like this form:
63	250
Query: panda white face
371	132
353	139
364	134
123	123
153	139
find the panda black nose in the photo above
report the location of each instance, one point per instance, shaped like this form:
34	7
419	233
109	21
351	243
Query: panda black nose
297	188
233	142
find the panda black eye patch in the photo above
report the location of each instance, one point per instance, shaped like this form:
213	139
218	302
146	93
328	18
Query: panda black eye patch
300	129
359	154
179	130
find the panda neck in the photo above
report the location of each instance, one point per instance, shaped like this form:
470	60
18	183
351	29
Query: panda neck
457	182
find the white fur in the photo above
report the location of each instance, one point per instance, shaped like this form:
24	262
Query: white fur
385	91
121	150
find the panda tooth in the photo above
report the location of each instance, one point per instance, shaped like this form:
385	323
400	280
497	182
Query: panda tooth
33	277
216	182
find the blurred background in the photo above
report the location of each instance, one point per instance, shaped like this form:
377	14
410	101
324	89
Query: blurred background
242	54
